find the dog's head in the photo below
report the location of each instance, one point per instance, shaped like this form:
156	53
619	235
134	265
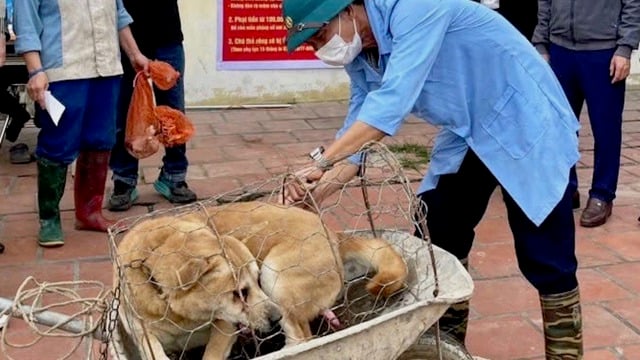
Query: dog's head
206	277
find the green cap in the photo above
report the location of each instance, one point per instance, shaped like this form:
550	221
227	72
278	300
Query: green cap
303	18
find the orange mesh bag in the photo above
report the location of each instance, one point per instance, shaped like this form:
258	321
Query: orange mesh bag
164	76
175	127
140	134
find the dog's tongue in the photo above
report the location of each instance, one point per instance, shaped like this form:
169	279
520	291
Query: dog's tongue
332	319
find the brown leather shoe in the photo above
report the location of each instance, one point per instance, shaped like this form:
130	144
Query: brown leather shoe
596	213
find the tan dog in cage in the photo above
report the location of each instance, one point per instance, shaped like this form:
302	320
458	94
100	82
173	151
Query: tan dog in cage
186	287
301	261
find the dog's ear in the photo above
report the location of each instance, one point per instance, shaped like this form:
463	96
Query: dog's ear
190	272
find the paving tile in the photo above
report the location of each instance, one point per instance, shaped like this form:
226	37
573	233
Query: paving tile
596	286
292	113
629	352
99	270
201	129
504	296
627	311
14	275
20	250
625	274
207	188
19	225
285	125
17	203
18	170
234	168
246	116
45	348
205	155
504	337
600	354
330	110
601	328
235	128
327	122
79	245
591	252
493	230
252	152
625	245
320	136
215	141
204	116
279	137
493	260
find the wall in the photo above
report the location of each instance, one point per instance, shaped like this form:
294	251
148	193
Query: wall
207	86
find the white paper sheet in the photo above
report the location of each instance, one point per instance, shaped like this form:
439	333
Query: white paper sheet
54	107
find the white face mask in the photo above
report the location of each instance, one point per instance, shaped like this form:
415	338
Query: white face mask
338	52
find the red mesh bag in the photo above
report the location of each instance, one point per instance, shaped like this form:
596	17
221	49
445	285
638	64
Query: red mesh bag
140	134
164	76
175	127
149	126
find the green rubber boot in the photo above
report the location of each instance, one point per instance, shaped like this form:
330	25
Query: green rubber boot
562	322
51	180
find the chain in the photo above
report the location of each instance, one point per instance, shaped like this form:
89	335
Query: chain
110	320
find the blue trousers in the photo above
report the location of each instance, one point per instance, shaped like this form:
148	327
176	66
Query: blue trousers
584	76
546	253
125	166
88	121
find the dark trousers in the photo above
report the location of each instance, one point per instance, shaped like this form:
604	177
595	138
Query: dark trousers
125	166
584	76
87	123
546	253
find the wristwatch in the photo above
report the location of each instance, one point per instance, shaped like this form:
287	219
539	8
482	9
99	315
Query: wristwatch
322	162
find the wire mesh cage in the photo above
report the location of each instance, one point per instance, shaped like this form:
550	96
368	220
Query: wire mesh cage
241	276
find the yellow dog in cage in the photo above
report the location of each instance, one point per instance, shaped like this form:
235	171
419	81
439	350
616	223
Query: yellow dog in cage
194	279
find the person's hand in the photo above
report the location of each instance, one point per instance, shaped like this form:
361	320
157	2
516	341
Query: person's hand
36	87
140	63
301	183
619	68
546	57
12	35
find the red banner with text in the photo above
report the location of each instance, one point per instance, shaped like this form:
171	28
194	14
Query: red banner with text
253	37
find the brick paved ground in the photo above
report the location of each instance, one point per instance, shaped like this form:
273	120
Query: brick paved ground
236	147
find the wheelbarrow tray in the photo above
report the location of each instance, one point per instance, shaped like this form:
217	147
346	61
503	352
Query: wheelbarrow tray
390	331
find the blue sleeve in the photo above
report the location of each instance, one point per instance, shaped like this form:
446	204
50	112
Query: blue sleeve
357	96
10	11
417	28
27	26
124	19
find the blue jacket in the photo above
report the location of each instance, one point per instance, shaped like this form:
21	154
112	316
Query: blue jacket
76	39
461	66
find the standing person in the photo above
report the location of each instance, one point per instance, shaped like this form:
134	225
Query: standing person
522	14
157	30
505	123
71	49
9	105
588	45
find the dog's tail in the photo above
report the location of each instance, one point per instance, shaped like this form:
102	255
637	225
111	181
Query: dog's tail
391	270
